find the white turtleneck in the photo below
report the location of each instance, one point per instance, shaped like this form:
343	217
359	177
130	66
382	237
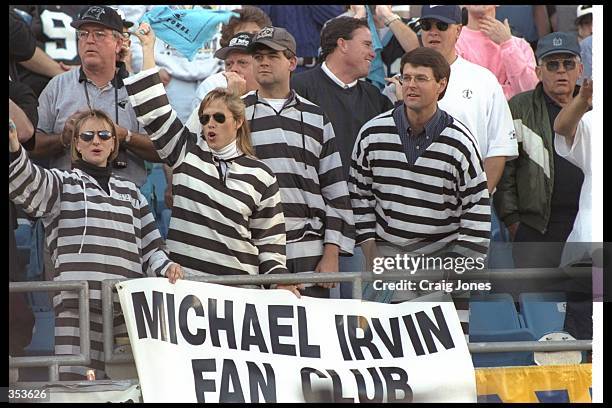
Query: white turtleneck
228	152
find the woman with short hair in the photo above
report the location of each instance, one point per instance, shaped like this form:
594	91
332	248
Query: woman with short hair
98	227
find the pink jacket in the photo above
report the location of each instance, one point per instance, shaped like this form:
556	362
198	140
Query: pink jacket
512	62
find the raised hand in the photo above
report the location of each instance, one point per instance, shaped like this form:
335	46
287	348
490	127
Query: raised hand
586	92
497	31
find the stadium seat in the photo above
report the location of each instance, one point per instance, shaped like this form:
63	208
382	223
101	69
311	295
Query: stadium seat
43	338
543	312
493	312
493	318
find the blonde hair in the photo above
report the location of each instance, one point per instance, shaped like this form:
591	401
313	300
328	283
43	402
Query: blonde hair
236	106
80	120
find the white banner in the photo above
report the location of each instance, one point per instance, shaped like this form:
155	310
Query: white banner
200	342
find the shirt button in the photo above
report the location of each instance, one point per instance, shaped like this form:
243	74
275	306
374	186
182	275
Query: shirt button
418	147
427	137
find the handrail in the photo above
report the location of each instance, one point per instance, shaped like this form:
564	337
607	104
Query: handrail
53	362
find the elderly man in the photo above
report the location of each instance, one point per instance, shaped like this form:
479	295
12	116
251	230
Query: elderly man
97	84
537	197
238	75
294	137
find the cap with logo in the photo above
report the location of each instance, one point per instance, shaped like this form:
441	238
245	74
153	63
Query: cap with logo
103	15
557	43
446	14
276	38
239	42
582	11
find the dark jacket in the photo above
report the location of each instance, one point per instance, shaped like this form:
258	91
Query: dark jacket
524	192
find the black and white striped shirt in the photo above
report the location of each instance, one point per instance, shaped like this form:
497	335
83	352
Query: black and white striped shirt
298	144
91	235
440	200
220	225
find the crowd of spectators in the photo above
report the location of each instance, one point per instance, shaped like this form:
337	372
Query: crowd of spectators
295	139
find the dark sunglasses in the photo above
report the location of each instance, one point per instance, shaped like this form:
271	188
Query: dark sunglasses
553	66
89	135
426	25
219	118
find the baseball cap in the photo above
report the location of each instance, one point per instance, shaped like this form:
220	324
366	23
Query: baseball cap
557	43
446	14
582	11
239	42
103	15
276	38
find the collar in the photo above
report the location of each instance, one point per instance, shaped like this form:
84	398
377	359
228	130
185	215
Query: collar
293	99
432	128
334	78
121	73
92	170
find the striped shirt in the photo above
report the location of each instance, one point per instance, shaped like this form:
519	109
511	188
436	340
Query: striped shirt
298	144
91	235
438	202
220	225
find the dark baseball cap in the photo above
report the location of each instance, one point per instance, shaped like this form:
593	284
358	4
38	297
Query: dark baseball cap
276	38
239	42
557	43
103	15
446	14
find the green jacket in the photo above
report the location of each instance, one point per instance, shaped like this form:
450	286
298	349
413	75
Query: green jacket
524	192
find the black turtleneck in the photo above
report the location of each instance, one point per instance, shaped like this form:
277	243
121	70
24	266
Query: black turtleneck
101	174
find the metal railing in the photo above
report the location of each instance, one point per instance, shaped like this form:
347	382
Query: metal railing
53	362
357	278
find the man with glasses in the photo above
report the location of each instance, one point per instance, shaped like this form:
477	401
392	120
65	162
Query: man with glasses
97	84
538	195
417	182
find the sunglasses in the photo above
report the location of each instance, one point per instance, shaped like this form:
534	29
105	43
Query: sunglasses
89	135
553	66
426	25
205	118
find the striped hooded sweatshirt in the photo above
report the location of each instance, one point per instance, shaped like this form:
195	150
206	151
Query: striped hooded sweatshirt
91	235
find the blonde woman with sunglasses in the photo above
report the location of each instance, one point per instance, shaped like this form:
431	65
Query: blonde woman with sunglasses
227	217
97	226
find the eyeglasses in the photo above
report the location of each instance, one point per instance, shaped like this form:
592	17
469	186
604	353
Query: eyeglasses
418	79
426	25
98	34
553	66
88	136
219	118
